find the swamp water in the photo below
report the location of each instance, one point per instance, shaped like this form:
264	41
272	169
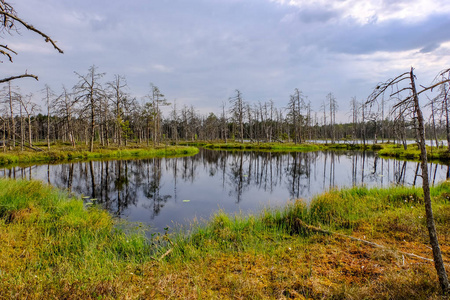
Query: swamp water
164	192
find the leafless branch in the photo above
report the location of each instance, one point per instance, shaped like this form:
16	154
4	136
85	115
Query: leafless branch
6	54
29	27
7	48
17	77
382	87
433	86
398	92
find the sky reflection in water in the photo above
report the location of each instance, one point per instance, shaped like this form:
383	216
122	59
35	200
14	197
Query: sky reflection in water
162	192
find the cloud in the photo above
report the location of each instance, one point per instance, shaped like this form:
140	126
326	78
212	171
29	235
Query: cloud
162	68
363	12
394	35
430	48
343	35
199	51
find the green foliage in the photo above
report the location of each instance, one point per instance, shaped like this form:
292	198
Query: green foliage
126	129
56	247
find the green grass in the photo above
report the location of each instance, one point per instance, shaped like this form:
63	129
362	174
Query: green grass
60	242
56	247
276	146
61	154
264	146
413	153
385	150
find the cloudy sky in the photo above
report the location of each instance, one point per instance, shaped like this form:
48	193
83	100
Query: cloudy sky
200	51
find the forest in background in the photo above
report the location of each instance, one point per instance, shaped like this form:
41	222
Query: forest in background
99	111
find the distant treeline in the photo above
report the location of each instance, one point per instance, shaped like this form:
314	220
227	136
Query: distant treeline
97	111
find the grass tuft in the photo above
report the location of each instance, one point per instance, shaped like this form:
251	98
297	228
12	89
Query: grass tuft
54	247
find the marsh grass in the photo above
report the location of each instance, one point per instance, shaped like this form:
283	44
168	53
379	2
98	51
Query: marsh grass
413	153
53	247
385	150
276	146
61	154
264	146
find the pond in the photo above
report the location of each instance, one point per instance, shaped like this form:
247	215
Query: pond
168	191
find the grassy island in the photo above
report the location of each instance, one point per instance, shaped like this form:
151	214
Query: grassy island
61	154
264	146
384	149
412	152
56	247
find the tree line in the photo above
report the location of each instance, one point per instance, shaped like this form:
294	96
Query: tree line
100	111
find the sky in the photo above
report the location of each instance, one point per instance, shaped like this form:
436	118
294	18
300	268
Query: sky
198	52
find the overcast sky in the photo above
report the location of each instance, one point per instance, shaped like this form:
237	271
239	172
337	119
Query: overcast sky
200	51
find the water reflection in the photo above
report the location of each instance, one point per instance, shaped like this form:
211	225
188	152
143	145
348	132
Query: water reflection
162	191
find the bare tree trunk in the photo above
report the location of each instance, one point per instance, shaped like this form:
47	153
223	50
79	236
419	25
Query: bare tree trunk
434	124
91	140
437	256
101	134
12	139
363	125
148	133
447	122
4	136
21	129
48	117
30	142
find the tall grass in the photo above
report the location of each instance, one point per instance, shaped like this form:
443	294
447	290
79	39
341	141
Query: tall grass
412	152
55	247
67	154
51	238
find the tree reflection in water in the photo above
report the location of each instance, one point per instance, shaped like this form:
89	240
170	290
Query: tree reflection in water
153	190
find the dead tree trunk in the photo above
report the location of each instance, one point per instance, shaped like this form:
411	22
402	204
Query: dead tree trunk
409	105
437	255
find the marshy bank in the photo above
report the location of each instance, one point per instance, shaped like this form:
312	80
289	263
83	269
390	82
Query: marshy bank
162	192
64	154
56	247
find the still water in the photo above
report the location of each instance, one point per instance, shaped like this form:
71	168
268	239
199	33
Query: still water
167	191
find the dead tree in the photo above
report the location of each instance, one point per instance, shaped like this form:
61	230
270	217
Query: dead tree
8	24
90	92
30	109
63	108
119	98
404	92
224	122
442	101
157	100
48	95
237	111
432	120
333	107
295	106
354	112
10	95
